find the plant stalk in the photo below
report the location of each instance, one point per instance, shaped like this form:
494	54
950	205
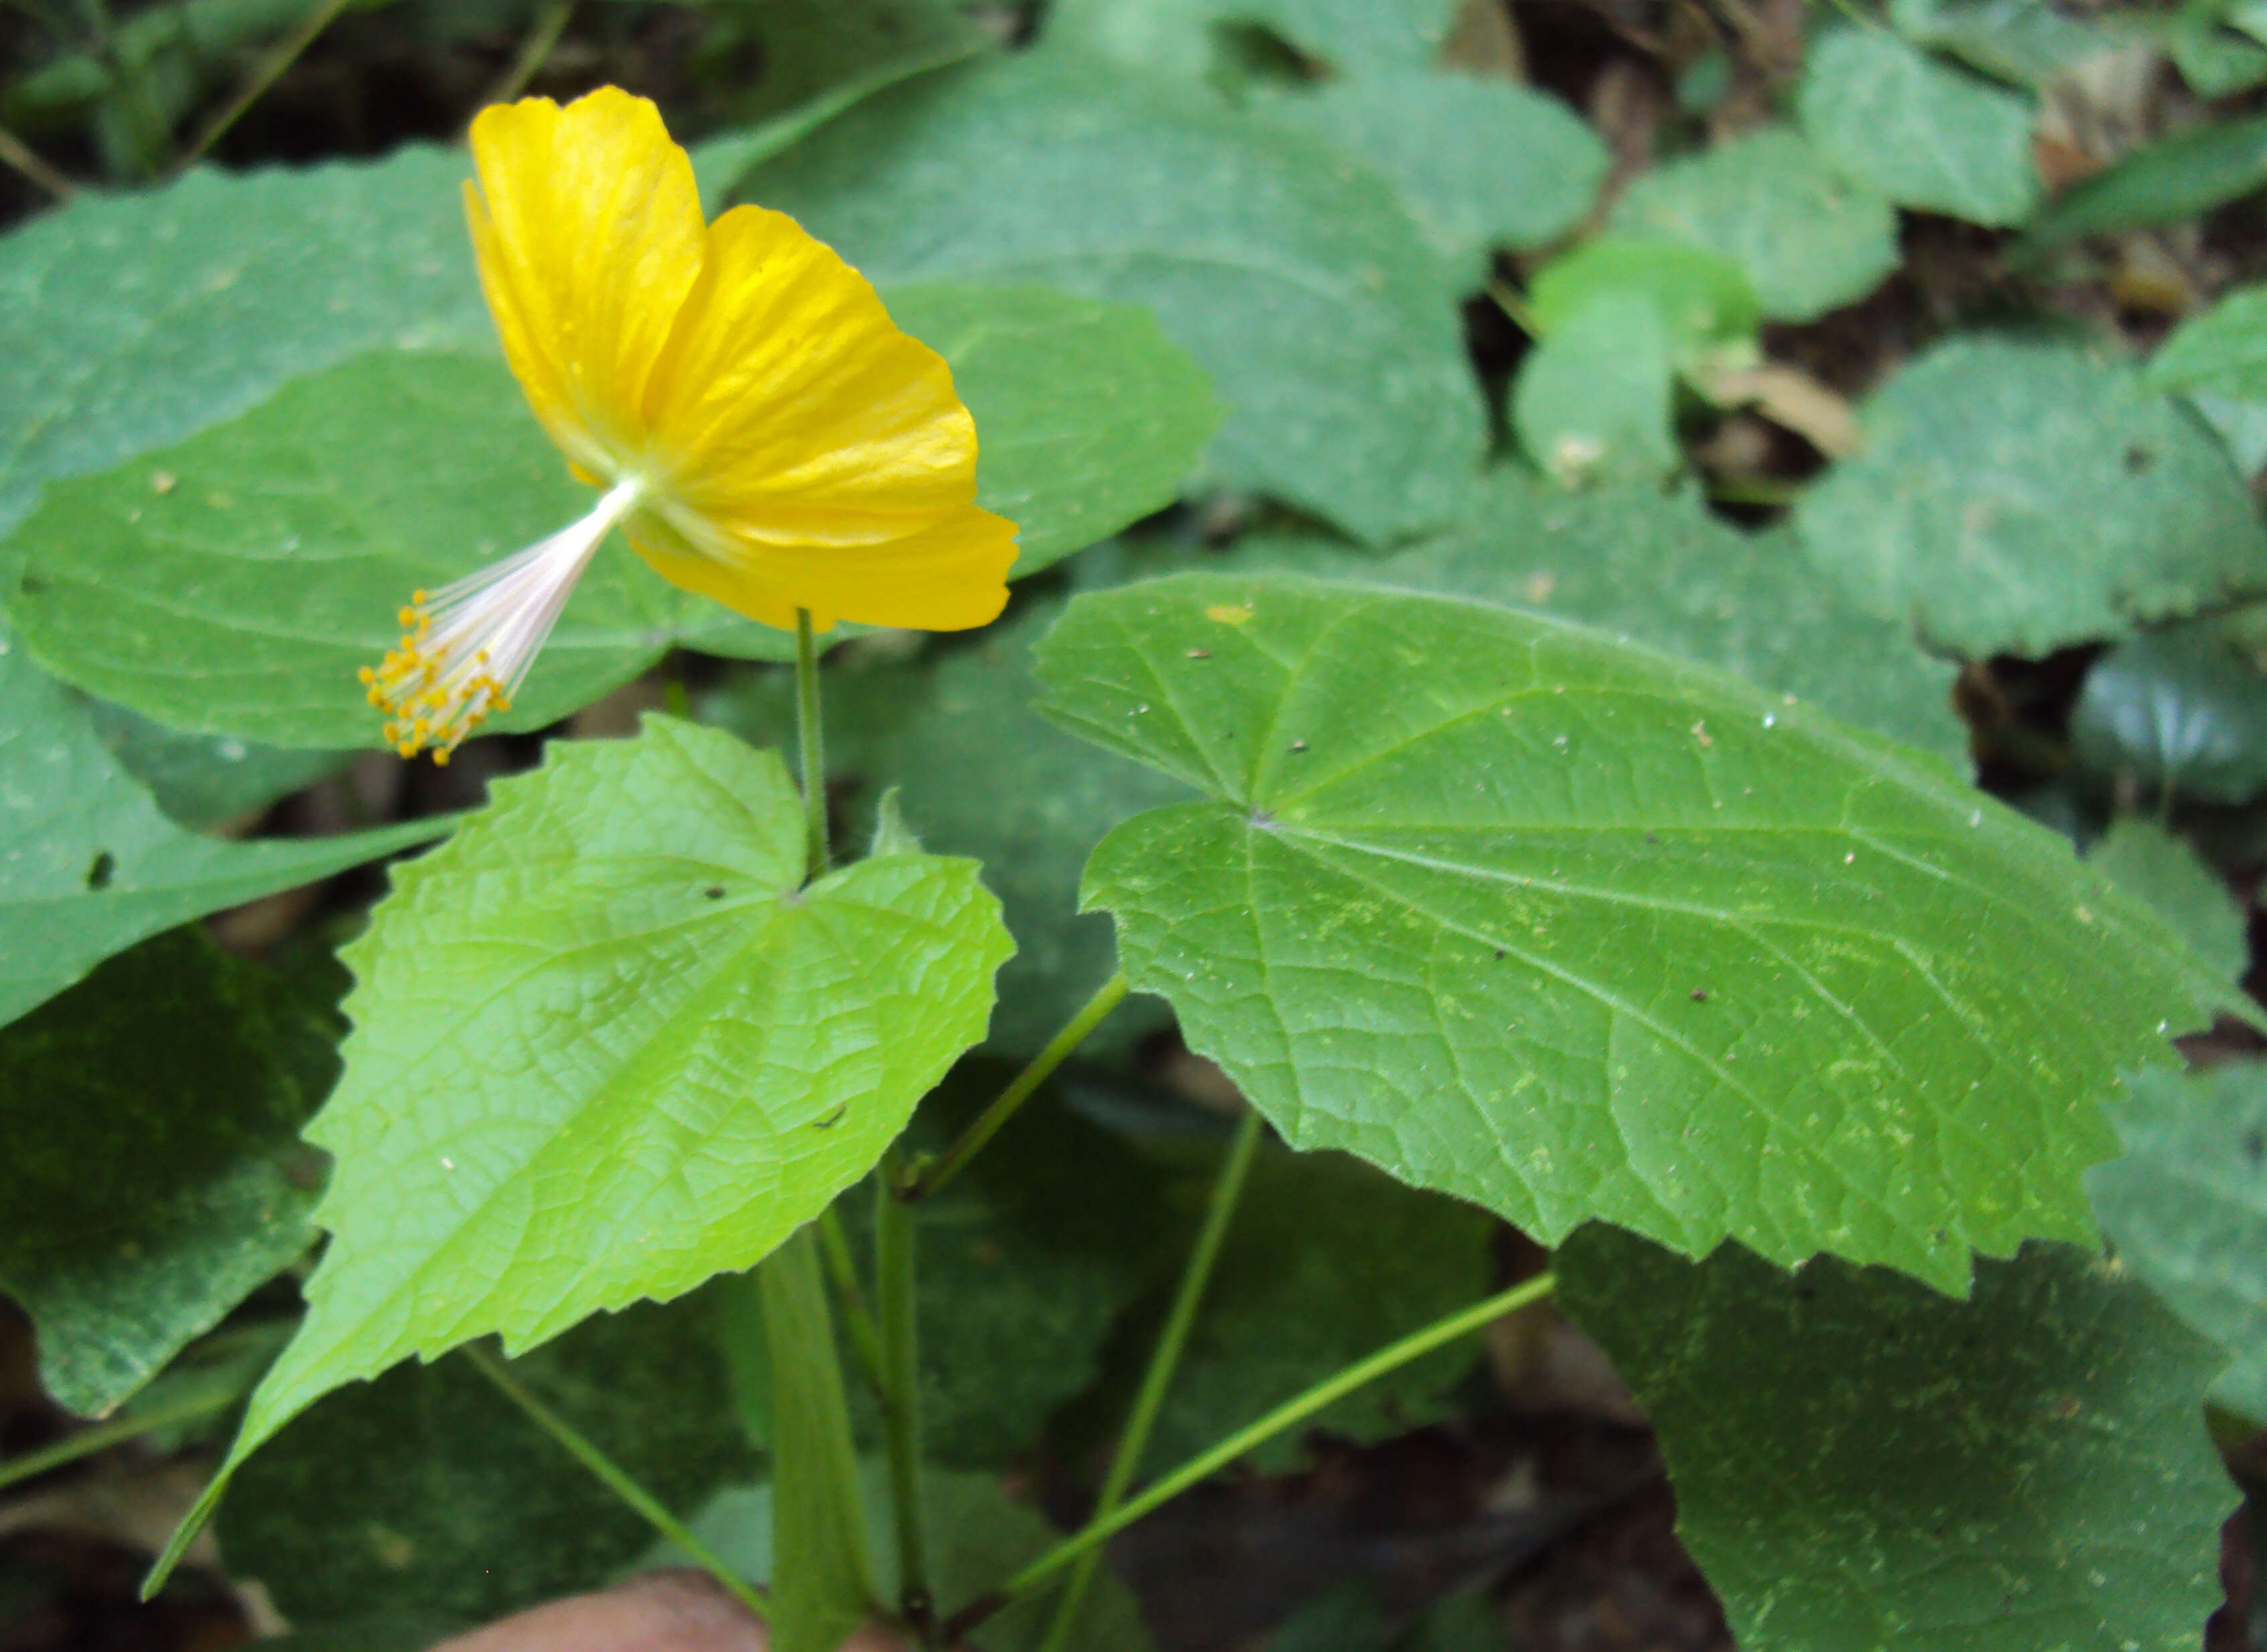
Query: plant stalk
1287	1415
614	1478
812	739
265	73
893	1288
850	1295
934	1174
1164	1359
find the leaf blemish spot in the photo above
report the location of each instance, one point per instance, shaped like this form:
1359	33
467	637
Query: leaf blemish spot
715	891
99	870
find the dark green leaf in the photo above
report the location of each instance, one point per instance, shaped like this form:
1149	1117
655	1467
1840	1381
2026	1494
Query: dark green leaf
1863	1465
1053	167
1924	135
2186	1208
206	781
1089	416
1522	916
155	1177
2182	711
427	1491
2164	182
1809	239
2022	42
2016	497
95	867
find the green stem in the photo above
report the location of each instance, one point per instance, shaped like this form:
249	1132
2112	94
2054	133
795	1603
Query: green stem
202	1401
893	1288
19	157
265	74
1164	1359
613	1479
541	39
935	1174
813	741
842	1273
1286	1416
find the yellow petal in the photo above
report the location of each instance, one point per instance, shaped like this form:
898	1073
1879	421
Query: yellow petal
588	228
950	575
789	407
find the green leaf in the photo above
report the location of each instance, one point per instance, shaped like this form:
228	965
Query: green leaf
1522	916
1281	244
825	1579
2182	710
236	583
206	781
2144	859
2022	42
1923	135
1593	398
1861	1465
1479	163
427	1491
1664	570
2017	497
1089	416
978	772
812	48
2223	351
2215	61
127	322
97	867
1359	36
1704	297
1809	239
610	983
155	1176
2175	177
1294	1300
2186	1208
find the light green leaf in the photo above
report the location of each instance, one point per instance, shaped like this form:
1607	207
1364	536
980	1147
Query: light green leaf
155	1177
2186	1208
379	1497
1593	398
2144	859
2215	61
1282	244
1664	570
96	867
1356	36
1861	1465
1479	163
825	1579
1923	135
2180	710
1522	915
127	322
2223	351
1809	239
610	983
978	772
1088	417
2175	177
2022	42
2016	497
1704	297
1294	1300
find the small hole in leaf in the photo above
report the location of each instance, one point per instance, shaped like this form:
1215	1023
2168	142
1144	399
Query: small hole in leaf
99	870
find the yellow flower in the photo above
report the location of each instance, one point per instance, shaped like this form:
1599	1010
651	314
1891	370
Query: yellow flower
762	431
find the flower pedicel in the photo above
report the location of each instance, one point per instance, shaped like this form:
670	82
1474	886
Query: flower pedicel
762	431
